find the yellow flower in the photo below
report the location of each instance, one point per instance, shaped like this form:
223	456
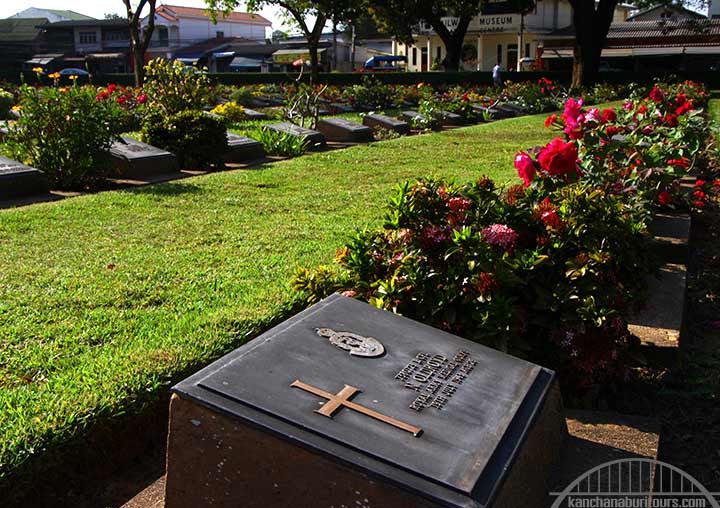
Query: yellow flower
54	75
16	107
38	69
73	77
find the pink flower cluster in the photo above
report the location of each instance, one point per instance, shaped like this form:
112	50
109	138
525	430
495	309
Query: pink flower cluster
500	235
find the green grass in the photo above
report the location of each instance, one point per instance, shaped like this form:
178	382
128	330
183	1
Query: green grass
105	298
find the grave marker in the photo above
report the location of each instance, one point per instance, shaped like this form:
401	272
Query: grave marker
134	159
339	129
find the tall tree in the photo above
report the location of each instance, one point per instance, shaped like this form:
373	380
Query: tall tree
400	17
592	23
139	37
298	12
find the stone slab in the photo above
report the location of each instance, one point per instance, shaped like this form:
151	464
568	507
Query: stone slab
376	120
483	111
661	321
18	180
671	234
252	114
338	107
316	138
411	116
339	129
473	426
134	159
449	118
243	149
519	110
507	110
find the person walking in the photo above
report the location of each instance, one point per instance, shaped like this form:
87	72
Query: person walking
497	79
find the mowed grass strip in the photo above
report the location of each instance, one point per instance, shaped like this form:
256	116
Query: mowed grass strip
108	297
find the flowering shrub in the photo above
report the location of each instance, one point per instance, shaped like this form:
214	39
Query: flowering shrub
129	103
547	277
231	111
370	95
172	87
65	132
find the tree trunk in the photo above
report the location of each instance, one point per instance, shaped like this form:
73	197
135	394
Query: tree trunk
140	39
138	65
314	68
453	41
591	29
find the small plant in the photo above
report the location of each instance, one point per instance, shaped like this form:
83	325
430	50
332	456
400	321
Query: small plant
65	132
172	87
231	111
243	96
383	134
7	99
371	94
301	107
281	143
199	140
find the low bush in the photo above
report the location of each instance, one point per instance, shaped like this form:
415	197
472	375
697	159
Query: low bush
231	111
371	95
199	140
65	132
172	87
280	143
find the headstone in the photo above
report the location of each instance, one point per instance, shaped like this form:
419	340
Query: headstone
252	114
134	159
507	110
324	112
259	103
519	110
242	149
411	116
349	405
484	113
375	120
339	129
18	180
449	118
316	138
338	107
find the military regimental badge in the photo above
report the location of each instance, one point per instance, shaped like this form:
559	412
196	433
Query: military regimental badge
357	345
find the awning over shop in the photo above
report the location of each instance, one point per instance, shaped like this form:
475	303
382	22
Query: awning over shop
242	61
188	61
42	59
291	55
224	54
106	56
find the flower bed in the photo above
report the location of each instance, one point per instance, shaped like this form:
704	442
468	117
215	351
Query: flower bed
547	270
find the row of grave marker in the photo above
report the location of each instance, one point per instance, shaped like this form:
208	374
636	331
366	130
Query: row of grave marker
134	159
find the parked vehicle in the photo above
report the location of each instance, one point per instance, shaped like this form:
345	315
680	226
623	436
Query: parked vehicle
383	63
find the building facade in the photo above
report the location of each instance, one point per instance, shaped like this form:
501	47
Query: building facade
498	36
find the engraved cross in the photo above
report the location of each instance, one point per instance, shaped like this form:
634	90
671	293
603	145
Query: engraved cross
341	399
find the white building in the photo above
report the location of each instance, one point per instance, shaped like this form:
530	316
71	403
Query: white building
502	37
177	26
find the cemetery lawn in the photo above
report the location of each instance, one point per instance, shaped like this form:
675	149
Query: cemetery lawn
105	299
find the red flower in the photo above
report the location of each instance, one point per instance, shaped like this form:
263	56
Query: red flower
550	120
611	130
111	88
142	99
699	204
679	163
642	109
680	99
486	283
700	183
671	120
665	198
101	96
558	157
684	108
698	194
609	115
716	184
525	167
552	219
656	95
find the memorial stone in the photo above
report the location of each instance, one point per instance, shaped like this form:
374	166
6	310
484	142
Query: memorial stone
316	138
242	149
338	107
449	118
339	129
252	114
134	159
348	405
519	110
376	120
508	111
18	180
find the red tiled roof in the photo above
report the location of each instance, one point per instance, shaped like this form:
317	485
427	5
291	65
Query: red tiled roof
172	12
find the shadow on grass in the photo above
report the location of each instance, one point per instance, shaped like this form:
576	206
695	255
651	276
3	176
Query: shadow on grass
168	189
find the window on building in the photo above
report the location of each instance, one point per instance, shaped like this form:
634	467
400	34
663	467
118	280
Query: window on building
88	37
162	34
499	53
414	60
115	35
439	53
219	35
